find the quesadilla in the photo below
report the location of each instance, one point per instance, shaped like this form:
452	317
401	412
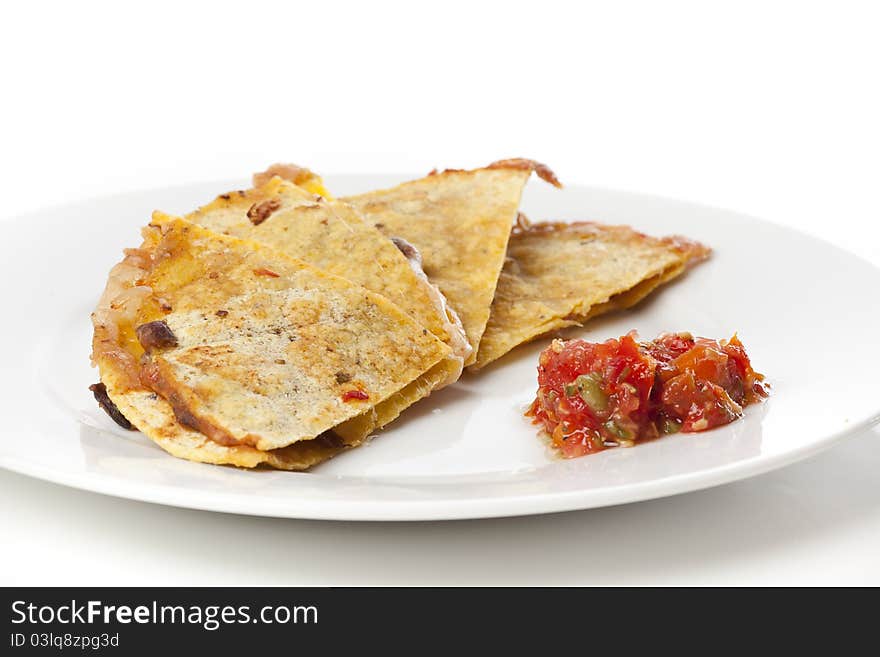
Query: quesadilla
459	221
222	350
562	274
332	236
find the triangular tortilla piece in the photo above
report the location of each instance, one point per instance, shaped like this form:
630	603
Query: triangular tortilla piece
561	274
116	352
270	350
460	222
294	350
333	236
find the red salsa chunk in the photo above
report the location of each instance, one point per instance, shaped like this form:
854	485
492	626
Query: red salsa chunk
592	396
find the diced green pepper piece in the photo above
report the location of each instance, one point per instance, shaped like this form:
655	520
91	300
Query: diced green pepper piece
670	425
591	392
617	430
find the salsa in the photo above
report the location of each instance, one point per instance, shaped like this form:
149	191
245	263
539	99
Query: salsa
592	396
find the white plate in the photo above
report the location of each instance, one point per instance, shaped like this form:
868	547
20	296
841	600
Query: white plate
806	311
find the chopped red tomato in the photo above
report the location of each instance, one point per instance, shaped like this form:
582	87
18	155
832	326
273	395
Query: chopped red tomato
352	395
593	396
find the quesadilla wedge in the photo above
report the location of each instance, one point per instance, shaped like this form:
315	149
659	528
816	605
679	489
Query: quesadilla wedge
116	352
332	236
224	351
561	274
459	221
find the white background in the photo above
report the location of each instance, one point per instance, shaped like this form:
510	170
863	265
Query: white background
769	108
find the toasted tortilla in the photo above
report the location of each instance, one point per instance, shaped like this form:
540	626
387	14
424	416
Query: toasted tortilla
269	367
154	417
332	236
268	372
116	352
228	211
562	274
460	222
